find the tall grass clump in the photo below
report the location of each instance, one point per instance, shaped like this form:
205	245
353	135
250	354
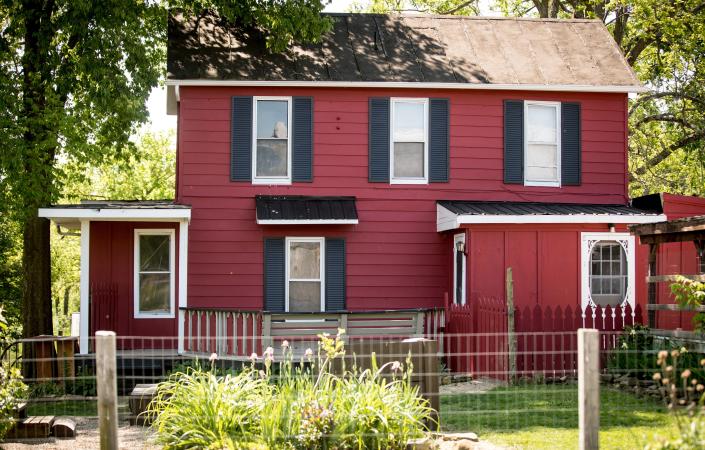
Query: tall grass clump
315	403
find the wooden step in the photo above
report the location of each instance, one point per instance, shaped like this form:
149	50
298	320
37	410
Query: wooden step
32	427
64	428
20	411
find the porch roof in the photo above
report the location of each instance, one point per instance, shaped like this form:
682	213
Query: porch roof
678	230
305	210
450	214
71	215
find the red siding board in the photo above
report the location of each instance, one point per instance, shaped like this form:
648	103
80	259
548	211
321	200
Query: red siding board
395	257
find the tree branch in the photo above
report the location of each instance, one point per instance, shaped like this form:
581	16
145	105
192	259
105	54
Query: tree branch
665	153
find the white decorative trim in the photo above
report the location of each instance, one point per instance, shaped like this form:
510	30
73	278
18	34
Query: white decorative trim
587	242
271	180
447	220
414	85
557	107
308	222
136	272
322	266
183	278
117	214
84	288
460	237
403	180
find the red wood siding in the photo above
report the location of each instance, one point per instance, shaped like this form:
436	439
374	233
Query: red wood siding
112	263
395	257
545	262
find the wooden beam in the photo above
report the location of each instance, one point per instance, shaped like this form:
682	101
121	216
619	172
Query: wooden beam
673	278
652	292
672	237
675	307
684	225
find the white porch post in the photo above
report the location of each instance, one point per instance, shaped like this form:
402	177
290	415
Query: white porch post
84	287
183	278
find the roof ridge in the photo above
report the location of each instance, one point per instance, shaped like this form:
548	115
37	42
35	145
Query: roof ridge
459	17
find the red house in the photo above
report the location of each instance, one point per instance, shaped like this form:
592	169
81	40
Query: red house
360	181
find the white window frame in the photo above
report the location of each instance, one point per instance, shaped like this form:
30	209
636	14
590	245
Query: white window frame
557	106
588	241
271	180
460	237
322	242
172	272
402	180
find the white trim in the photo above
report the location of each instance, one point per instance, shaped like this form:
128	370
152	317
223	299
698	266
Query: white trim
271	180
322	243
447	220
117	214
407	180
460	237
587	240
557	143
183	285
136	272
415	85
308	222
84	287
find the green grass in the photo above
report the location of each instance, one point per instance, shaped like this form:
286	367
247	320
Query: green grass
546	416
80	408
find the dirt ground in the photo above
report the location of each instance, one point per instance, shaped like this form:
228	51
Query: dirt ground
87	438
479	385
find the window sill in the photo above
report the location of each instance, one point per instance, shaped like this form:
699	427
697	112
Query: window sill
409	181
542	184
271	181
154	316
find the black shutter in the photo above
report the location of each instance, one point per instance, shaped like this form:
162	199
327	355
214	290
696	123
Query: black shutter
335	274
379	140
438	142
514	141
241	139
274	277
302	139
570	144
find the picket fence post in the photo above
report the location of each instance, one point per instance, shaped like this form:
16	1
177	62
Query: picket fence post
510	326
588	388
106	380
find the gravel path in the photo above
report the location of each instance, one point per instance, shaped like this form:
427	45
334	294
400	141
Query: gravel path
87	438
471	387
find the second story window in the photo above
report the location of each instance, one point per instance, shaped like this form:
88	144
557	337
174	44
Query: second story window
542	147
409	136
271	144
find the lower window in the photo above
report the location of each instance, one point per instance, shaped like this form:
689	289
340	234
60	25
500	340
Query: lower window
608	269
304	274
154	273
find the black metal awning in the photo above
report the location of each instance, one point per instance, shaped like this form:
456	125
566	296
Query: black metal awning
305	210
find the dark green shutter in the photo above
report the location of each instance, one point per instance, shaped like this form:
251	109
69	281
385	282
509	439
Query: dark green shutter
570	144
513	141
438	142
335	274
241	139
379	140
302	139
274	276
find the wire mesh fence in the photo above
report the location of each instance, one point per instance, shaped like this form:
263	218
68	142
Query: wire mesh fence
513	389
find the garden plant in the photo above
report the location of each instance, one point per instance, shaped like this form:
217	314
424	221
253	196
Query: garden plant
281	403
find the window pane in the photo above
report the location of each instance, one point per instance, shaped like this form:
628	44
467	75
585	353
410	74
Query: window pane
304	296
154	252
272	119
609	286
541	123
305	260
408	121
272	158
408	160
542	163
154	292
546	174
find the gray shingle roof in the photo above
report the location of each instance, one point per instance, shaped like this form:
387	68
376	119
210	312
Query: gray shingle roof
407	48
537	209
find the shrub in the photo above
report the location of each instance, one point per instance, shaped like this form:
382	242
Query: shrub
684	392
11	387
311	404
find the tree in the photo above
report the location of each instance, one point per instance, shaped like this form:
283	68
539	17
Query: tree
74	78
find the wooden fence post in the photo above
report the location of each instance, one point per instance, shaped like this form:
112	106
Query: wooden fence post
106	380
588	389
510	326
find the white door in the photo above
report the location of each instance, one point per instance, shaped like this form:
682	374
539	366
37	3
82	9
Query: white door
459	269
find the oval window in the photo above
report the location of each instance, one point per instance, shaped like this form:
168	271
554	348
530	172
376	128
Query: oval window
608	273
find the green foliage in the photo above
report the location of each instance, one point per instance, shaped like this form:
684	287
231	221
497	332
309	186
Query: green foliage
683	386
11	389
10	269
459	7
634	353
690	294
306	405
83	384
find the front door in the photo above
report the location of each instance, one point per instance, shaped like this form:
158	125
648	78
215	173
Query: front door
459	269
